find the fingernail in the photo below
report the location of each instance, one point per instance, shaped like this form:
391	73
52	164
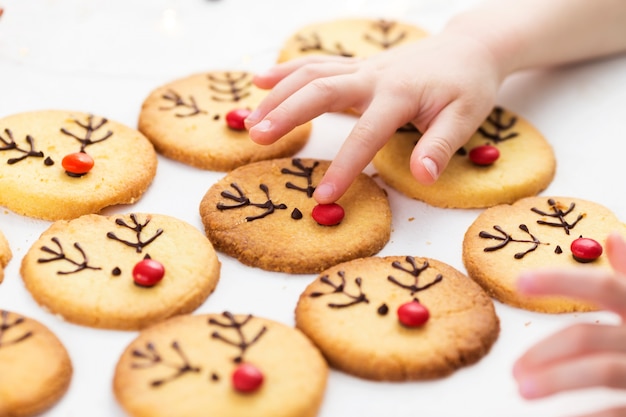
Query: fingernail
252	118
431	167
263	126
528	388
323	192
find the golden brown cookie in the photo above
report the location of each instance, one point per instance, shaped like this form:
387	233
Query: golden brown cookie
220	365
5	255
537	232
35	368
62	164
525	166
198	120
353	37
397	318
124	271
261	214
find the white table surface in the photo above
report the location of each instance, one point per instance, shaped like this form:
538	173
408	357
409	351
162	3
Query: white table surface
105	56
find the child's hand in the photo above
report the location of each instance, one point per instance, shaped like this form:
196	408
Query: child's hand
445	85
583	355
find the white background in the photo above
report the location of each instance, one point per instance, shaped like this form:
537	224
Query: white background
105	56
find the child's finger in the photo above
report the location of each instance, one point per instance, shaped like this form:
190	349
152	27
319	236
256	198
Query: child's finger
590	284
272	76
616	251
609	412
319	96
375	126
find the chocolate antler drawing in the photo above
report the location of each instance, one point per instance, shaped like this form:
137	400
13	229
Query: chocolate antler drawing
241	342
415	272
150	357
305	172
314	43
243	201
497	126
231	87
5	325
506	238
559	214
384	29
10	144
60	255
90	128
340	288
137	227
178	101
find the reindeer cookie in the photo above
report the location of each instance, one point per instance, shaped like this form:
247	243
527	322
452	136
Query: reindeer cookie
5	255
223	365
537	232
397	318
61	164
198	120
349	38
264	215
505	160
36	370
124	271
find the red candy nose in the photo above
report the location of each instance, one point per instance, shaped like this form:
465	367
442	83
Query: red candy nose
413	314
484	155
148	273
235	118
585	249
78	163
328	214
247	378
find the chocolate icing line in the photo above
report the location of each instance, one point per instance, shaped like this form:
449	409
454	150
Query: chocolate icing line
314	43
230	87
340	288
138	228
10	145
381	36
302	171
558	214
178	101
60	255
494	127
90	128
150	357
5	325
506	239
240	341
415	272
242	201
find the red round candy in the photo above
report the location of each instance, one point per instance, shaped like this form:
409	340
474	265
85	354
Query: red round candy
413	314
235	118
78	163
148	273
585	249
328	214
484	155
247	378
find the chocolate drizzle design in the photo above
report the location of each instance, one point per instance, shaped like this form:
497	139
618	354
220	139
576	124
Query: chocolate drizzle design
243	201
9	144
138	228
59	254
6	324
313	42
382	35
177	102
90	128
150	357
241	342
495	128
358	296
230	87
306	172
557	213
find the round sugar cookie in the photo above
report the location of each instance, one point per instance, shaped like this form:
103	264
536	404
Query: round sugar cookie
223	365
532	233
349	37
36	368
526	165
35	180
261	214
92	270
367	317
188	120
5	255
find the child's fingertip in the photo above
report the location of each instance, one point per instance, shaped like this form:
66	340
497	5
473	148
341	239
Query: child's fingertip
525	282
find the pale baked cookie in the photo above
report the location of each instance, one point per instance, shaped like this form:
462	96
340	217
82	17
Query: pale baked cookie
352	37
35	368
5	255
62	164
124	271
474	179
198	120
397	318
220	365
261	214
532	233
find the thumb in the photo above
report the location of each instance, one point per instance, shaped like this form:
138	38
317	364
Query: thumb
450	130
